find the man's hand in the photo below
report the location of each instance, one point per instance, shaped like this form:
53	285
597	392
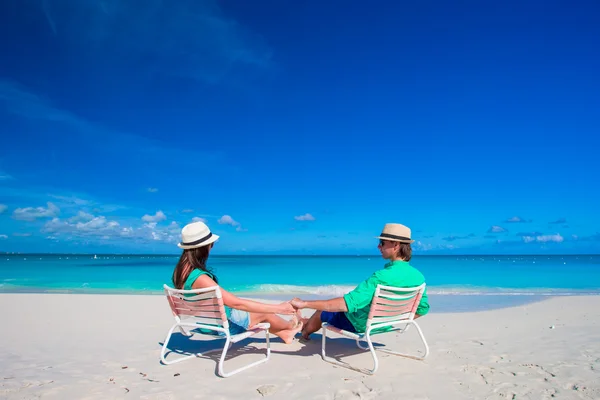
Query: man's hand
298	304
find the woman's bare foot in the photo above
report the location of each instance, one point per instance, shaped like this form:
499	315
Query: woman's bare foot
288	335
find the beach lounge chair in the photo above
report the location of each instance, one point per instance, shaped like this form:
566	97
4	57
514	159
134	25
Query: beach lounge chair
391	307
203	309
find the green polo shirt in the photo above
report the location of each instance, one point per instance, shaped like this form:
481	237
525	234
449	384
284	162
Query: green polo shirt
395	273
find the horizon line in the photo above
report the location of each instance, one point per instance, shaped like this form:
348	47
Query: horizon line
296	255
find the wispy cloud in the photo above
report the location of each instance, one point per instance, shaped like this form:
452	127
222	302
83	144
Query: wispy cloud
3	207
496	229
3	237
20	101
516	219
530	234
33	213
159	216
5	176
590	238
191	39
559	221
187	210
71	200
199	219
305	217
27	234
152	190
543	238
452	238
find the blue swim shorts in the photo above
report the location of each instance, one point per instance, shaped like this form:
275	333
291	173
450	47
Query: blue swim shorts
239	321
337	319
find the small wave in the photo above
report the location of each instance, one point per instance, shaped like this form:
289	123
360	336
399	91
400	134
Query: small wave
340	290
322	290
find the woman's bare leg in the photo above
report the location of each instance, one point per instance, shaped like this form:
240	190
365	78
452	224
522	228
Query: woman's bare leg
283	328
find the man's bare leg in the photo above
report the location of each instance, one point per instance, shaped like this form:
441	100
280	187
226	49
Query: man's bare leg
312	325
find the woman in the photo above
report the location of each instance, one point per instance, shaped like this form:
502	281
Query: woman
191	273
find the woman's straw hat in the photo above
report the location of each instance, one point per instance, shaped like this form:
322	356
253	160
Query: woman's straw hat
396	233
196	234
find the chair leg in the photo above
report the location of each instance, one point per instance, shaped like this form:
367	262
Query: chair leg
341	364
226	348
372	349
360	346
165	347
184	333
409	355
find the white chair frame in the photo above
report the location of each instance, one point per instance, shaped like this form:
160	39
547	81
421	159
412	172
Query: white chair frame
204	308
391	307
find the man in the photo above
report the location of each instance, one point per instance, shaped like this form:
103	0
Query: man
351	311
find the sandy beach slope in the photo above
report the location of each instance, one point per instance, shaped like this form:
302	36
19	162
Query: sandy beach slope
60	346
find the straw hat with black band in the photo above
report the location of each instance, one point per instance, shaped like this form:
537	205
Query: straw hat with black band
396	233
196	234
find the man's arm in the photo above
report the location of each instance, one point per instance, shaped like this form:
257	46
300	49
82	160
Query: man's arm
333	305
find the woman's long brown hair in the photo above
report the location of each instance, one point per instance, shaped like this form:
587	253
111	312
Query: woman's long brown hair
190	260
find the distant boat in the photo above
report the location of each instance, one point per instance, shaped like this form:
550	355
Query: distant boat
95	257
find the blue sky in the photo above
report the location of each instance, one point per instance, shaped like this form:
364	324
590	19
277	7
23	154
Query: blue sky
299	127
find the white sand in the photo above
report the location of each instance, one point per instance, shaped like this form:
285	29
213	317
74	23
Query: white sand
56	346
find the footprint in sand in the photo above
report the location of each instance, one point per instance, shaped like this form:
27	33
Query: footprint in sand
363	392
344	394
266	390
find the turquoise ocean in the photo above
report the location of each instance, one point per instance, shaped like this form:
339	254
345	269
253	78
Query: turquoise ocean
455	283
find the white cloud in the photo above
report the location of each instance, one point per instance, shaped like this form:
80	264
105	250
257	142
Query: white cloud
3	237
152	190
227	220
151	225
22	234
159	216
187	210
418	245
32	213
81	216
305	217
3	207
496	229
97	226
199	219
543	238
102	228
170	233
